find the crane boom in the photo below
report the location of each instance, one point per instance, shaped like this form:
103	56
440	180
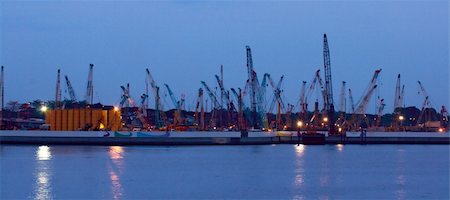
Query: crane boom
58	90
127	98
364	100
175	102
350	96
70	89
380	112
327	68
342	101
362	106
211	95
397	96
277	93
90	86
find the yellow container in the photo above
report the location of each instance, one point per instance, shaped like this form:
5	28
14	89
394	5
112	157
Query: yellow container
76	119
70	120
64	120
82	118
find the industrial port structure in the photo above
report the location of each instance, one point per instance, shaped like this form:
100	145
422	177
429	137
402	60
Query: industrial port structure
245	108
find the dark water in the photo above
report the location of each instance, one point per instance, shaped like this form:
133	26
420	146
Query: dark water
225	172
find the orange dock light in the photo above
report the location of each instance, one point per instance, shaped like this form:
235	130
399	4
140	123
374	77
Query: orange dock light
299	124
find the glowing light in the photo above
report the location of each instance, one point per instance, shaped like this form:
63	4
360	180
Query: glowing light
43	153
441	130
340	129
401	118
116	108
340	147
299	124
299	149
116	152
325	119
102	126
44	109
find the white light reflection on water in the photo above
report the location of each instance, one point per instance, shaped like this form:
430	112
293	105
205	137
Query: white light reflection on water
299	149
400	193
299	179
340	147
43	153
115	170
43	173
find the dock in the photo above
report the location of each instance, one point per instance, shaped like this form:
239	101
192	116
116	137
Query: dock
213	138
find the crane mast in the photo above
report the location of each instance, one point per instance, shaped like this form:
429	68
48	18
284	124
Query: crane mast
90	86
155	90
58	90
329	104
70	89
327	68
277	93
397	97
303	108
253	88
211	95
199	120
426	102
380	112
364	101
352	104
342	100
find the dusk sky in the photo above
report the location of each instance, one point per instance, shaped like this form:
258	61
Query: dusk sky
183	43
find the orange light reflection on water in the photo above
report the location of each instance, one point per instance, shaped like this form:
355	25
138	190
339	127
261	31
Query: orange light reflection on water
116	154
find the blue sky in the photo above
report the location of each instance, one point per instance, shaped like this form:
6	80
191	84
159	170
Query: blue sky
184	42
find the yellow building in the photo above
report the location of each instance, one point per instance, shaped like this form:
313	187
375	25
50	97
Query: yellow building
83	119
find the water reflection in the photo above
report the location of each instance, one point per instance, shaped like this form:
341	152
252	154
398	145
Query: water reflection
116	170
43	173
400	193
43	153
299	149
340	147
299	173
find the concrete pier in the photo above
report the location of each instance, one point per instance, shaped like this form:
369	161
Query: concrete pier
212	138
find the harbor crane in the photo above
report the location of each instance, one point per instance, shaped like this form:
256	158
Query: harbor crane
364	101
426	104
303	109
329	104
126	98
350	96
158	107
257	117
398	94
380	112
277	93
200	120
58	90
342	99
177	118
90	86
70	89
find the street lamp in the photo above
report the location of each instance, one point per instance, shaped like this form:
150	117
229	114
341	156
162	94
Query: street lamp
299	124
44	109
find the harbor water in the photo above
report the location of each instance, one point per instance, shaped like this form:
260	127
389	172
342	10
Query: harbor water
225	172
